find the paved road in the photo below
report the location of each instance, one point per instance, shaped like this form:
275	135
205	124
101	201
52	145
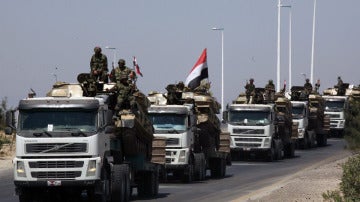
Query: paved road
242	177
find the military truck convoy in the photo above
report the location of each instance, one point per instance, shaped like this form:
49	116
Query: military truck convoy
74	141
194	141
77	140
308	112
263	126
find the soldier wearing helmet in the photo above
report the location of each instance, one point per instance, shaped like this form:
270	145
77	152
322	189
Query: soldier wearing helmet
270	91
99	66
340	86
125	90
250	89
122	69
308	86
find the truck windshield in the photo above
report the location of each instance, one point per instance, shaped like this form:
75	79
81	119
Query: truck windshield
57	120
168	123
298	112
249	117
333	105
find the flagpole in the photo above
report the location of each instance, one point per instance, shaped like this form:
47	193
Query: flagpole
222	66
312	45
278	50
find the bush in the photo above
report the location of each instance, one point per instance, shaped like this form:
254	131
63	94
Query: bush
352	127
350	181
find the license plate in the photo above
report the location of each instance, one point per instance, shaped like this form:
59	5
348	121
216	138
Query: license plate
53	183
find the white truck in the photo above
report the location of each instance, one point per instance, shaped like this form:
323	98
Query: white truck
335	107
308	112
194	142
67	144
306	138
257	129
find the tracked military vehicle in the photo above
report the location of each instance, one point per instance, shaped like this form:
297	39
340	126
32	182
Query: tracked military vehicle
194	141
262	127
74	141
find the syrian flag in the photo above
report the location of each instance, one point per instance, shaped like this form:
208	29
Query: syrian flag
137	68
198	72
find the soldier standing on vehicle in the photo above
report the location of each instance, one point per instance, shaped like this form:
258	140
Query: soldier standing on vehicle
99	66
270	91
250	89
122	69
340	86
308	87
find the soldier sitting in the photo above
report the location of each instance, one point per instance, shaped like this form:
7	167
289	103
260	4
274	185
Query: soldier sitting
125	98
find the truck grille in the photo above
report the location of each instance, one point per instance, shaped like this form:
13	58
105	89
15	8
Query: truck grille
248	131
56	147
334	116
172	141
248	145
240	139
56	175
56	164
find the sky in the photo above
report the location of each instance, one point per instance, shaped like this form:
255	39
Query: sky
46	41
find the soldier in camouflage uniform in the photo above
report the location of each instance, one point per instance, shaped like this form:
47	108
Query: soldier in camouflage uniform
308	87
250	89
99	66
122	69
270	91
125	98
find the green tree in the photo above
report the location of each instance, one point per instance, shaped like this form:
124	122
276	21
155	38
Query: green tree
3	109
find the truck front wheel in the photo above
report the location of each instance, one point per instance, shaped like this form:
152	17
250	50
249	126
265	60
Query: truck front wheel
25	196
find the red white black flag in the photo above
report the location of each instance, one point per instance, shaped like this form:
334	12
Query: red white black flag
198	73
136	66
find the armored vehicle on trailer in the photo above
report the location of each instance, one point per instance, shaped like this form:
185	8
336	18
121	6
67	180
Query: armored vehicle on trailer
194	141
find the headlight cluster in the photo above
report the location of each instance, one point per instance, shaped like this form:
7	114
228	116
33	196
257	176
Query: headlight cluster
91	170
20	169
267	142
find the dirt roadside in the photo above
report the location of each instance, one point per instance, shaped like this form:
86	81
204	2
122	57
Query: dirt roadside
305	185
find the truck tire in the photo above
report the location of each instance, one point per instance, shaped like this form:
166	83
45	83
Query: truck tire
305	143
271	154
199	167
217	167
321	140
290	150
149	185
127	188
188	176
25	196
117	183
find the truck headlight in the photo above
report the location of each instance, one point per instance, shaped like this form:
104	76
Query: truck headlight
20	169
301	132
341	123
182	156
91	168
267	142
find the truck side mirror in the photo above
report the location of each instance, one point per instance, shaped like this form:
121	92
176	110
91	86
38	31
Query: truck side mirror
8	131
10	119
225	116
195	129
109	129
